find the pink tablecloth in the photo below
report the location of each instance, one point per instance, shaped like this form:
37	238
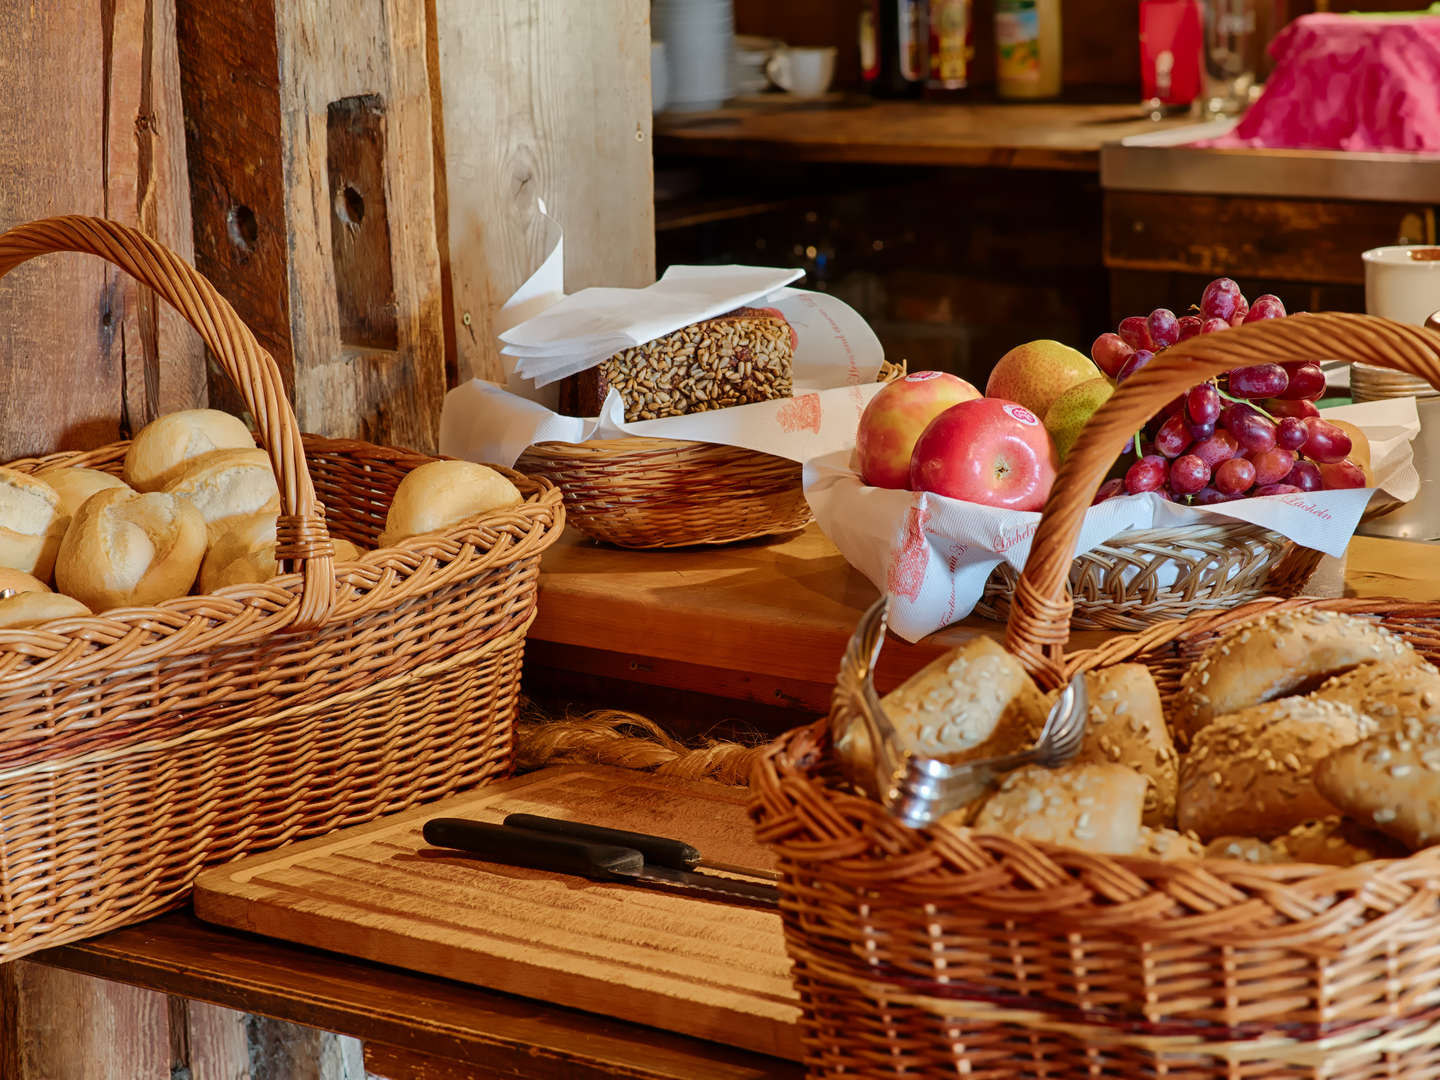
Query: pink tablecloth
1345	82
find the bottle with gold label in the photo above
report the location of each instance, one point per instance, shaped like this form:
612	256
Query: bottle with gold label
1027	48
951	44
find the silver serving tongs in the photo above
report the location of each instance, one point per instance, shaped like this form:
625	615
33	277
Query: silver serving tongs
917	790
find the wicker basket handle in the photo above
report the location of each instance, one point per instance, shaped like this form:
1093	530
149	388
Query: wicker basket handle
1039	623
301	534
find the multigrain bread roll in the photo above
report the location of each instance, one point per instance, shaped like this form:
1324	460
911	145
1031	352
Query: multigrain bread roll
74	484
1090	807
125	549
974	701
33	608
32	523
1245	849
440	494
1249	773
1126	726
1390	781
1168	845
245	553
1337	841
226	486
1286	653
1388	692
163	446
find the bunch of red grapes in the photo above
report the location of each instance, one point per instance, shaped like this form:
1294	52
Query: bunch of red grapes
1253	431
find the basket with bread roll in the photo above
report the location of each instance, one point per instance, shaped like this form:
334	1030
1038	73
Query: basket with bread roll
215	639
1237	874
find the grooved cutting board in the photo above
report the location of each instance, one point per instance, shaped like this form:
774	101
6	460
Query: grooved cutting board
378	891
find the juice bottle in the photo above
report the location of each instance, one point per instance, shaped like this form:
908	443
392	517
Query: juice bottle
1027	48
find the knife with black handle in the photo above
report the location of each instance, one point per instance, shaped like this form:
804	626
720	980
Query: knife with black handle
565	854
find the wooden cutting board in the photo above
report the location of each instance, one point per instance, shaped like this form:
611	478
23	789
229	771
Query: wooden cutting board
378	891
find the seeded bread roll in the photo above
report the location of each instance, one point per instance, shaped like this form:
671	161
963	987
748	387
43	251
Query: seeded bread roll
226	486
74	484
1390	781
1248	773
1168	845
33	608
974	701
1244	849
440	494
125	549
1126	726
1337	841
1388	692
1285	653
1090	807
31	523
163	446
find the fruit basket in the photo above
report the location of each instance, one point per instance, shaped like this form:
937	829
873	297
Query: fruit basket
142	744
946	951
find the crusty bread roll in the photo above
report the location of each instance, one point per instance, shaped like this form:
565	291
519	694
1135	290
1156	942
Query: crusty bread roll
17	581
1248	773
31	523
1285	653
1167	845
1126	725
974	701
1090	807
74	484
1388	692
125	549
164	445
33	608
1390	781
226	485
1337	841
245	552
440	494
1244	849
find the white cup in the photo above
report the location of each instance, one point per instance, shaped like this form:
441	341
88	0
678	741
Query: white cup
659	77
1403	282
804	72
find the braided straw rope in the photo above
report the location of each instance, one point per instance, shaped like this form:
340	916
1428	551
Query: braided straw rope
944	951
140	745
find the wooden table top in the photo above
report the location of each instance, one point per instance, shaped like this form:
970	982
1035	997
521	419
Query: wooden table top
1021	136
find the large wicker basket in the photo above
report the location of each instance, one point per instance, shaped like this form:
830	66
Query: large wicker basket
662	493
140	745
929	952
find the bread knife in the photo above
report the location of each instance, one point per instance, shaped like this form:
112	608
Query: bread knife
658	850
561	854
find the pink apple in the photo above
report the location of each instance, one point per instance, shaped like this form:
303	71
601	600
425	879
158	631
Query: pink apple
988	451
895	418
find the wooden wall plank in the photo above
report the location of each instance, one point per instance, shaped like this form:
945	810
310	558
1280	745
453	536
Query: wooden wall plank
547	100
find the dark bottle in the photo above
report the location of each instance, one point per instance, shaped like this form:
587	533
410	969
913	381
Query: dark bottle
894	37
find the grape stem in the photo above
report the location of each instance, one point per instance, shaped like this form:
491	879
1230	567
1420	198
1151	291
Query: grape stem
1241	401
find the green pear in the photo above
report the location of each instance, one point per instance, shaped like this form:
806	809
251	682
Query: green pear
1072	410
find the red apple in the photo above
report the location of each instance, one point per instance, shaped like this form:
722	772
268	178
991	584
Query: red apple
895	418
988	451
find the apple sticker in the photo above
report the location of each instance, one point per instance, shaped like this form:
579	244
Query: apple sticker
922	376
1019	412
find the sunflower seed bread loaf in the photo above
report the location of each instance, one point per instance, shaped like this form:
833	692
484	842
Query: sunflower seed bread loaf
738	358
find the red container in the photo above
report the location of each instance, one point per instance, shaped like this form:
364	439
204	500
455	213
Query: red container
1171	39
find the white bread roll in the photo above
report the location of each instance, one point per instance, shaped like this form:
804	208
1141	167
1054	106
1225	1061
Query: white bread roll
974	701
227	485
164	445
245	552
75	483
34	608
124	549
31	523
17	581
439	494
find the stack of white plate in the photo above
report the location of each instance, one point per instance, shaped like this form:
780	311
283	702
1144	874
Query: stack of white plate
751	56
699	38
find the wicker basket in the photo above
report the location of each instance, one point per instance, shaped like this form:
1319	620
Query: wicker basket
923	952
138	746
661	493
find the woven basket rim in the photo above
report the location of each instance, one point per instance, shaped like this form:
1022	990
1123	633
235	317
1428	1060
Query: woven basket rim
640	446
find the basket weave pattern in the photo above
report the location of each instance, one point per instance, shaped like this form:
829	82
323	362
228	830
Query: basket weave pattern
140	745
947	952
662	493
